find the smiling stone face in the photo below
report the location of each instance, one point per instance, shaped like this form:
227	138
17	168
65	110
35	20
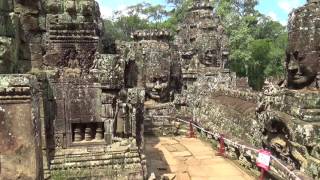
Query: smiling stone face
302	57
302	69
209	58
157	86
157	77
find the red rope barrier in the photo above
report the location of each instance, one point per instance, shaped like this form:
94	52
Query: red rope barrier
223	140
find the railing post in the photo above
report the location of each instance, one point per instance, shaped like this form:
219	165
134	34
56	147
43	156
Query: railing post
262	174
222	147
191	131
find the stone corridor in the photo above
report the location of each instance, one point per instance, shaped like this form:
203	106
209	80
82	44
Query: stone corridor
183	158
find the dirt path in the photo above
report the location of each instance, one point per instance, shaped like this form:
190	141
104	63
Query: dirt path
189	159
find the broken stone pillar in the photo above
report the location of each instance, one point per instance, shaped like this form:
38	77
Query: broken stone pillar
20	145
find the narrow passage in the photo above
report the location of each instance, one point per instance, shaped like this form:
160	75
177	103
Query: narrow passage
183	158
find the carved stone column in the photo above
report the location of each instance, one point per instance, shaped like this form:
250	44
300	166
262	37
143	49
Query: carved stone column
77	134
88	133
108	130
99	132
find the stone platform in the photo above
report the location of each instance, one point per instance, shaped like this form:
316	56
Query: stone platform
183	158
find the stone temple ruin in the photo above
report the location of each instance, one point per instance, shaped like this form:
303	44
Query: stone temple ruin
68	109
202	44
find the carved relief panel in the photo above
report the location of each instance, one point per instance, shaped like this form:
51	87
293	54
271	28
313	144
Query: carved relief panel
77	115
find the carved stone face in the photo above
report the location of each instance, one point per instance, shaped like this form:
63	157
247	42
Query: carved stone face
302	69
157	80
84	7
70	7
209	58
53	6
87	8
207	49
157	87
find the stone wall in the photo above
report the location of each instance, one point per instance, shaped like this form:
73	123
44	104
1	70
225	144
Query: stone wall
291	127
20	153
244	118
82	102
7	37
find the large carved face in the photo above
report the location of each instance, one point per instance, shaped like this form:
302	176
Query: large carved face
209	58
302	69
157	78
208	51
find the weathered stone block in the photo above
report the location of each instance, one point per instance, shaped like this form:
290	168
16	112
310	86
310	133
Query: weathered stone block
21	155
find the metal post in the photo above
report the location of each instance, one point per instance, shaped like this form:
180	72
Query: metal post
262	174
191	131
222	147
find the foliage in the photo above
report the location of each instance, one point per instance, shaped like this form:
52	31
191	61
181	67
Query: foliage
257	43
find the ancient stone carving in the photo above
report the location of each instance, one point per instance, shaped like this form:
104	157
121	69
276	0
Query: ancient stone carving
95	107
72	34
154	60
157	77
109	69
88	112
201	40
302	69
122	125
302	63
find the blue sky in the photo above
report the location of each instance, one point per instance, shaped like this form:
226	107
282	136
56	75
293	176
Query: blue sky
279	9
276	9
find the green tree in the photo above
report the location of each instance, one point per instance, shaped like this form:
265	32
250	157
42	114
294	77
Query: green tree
257	44
155	13
258	62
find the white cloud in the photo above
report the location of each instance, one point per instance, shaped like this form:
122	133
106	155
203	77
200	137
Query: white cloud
106	12
284	23
273	16
289	5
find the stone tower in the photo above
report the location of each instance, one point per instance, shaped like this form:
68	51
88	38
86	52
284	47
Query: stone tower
153	54
202	42
153	60
302	62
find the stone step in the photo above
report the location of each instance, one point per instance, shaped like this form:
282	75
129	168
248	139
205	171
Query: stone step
312	111
86	164
310	118
311	115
